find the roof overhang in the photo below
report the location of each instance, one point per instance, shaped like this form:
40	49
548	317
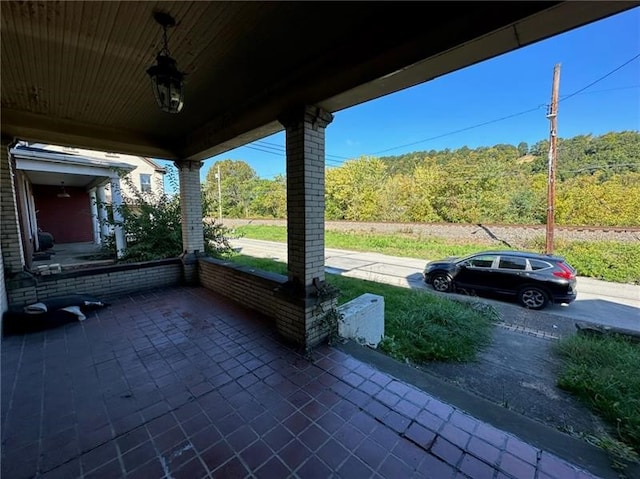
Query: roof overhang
50	168
74	73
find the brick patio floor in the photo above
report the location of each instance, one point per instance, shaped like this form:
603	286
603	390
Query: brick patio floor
181	383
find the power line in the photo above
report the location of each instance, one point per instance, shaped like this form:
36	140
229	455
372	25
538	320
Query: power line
462	129
577	92
280	150
601	78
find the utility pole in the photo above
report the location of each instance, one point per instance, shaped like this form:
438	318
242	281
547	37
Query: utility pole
219	195
552	115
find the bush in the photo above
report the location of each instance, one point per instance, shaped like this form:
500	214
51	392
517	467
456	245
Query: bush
152	223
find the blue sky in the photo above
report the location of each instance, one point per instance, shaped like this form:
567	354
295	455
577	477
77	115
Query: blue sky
511	83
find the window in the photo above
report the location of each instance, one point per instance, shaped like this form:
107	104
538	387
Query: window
537	264
513	262
484	261
145	182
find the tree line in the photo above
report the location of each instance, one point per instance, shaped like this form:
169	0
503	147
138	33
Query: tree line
597	183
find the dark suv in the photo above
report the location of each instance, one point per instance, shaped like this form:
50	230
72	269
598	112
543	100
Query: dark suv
534	279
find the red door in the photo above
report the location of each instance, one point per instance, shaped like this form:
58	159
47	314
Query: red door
67	219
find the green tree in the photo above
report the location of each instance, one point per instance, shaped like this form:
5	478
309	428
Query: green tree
353	190
523	148
238	182
270	198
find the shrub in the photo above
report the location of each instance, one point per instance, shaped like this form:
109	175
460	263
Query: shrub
153	227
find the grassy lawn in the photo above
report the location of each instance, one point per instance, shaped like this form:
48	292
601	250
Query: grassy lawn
607	260
604	372
418	326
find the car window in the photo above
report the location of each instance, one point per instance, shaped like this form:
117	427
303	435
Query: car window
483	261
512	262
536	264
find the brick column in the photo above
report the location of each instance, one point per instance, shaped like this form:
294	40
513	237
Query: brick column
305	195
305	129
191	213
12	252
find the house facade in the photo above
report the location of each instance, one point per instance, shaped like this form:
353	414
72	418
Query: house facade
64	193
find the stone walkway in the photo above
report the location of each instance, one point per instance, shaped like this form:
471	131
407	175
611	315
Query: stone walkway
181	383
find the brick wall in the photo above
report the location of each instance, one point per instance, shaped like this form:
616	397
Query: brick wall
12	254
103	283
264	292
4	303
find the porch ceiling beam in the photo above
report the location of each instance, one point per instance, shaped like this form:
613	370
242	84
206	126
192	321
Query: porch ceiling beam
42	129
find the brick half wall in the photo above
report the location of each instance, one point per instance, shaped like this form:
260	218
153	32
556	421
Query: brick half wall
103	283
260	291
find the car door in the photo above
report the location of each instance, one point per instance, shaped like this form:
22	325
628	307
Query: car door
510	274
476	272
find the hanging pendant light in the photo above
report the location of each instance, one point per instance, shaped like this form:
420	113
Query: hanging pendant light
167	81
63	193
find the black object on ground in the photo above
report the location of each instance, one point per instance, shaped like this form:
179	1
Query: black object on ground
45	240
51	313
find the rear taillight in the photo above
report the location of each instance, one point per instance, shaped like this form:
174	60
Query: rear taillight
566	272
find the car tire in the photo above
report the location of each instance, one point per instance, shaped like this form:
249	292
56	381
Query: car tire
533	298
441	282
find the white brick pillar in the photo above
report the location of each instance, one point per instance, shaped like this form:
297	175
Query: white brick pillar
95	222
102	211
310	296
116	204
191	215
305	195
10	236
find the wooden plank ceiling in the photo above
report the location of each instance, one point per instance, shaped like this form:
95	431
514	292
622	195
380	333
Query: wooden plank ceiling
74	73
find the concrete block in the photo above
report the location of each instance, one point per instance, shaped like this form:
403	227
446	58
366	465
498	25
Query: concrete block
363	319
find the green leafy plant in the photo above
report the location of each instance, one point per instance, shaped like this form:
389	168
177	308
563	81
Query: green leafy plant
151	221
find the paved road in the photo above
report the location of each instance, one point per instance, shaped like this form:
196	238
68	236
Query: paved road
598	302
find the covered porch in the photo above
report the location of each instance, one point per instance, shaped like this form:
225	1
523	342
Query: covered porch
183	383
250	69
202	374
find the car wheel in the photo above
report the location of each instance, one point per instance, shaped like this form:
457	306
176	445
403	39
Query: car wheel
533	298
441	282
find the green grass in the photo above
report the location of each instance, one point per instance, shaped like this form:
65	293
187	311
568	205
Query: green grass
418	326
607	260
604	373
618	262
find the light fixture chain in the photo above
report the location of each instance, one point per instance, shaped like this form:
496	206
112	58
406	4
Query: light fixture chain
165	49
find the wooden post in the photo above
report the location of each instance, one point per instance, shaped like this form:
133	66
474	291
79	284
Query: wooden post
552	114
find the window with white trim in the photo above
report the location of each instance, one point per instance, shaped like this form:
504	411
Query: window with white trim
145	182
